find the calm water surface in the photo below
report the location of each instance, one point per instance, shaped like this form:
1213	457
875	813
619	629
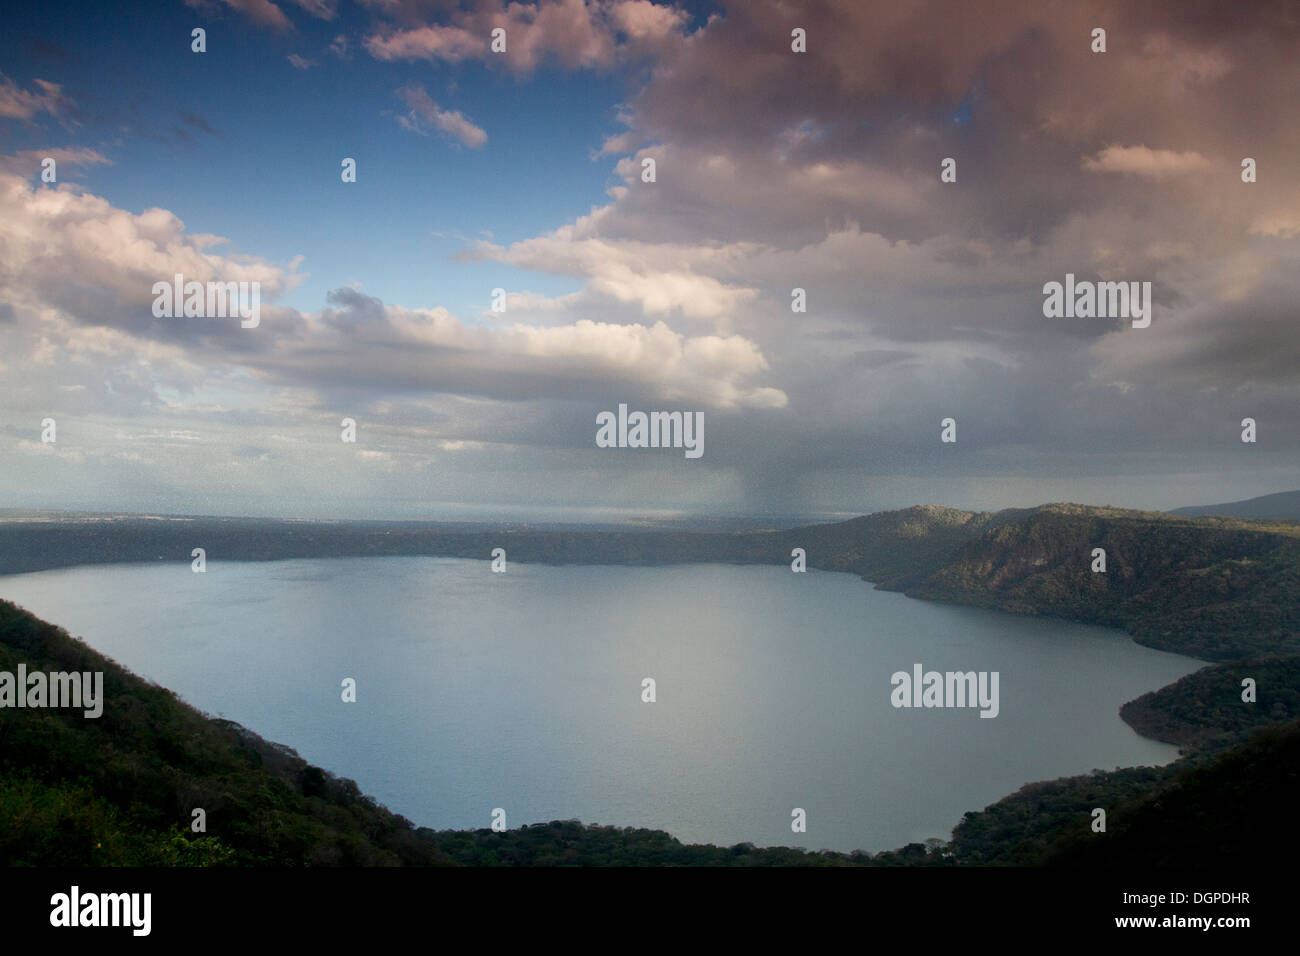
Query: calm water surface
522	690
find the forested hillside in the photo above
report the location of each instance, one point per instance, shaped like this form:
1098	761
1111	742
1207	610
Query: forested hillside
1214	588
1205	711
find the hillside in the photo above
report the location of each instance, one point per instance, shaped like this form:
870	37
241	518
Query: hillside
1235	813
1214	588
1204	711
1283	506
897	546
1049	822
1234	810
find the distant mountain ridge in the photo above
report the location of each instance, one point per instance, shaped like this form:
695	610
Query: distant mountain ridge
1283	506
1212	587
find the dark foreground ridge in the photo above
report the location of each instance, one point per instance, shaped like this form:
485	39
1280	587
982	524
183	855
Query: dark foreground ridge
1214	588
120	790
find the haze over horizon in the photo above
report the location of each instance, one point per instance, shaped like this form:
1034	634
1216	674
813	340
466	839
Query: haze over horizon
522	171
572	517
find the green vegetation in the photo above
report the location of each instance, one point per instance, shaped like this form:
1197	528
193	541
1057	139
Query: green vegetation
1235	813
1215	588
1204	711
1019	829
1200	810
1235	809
570	843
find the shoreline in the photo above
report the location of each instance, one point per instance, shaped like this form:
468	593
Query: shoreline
877	585
1174	758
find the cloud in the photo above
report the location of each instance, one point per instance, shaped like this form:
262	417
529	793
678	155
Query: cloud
81	272
73	254
301	63
644	21
27	162
425	114
262	12
360	342
660	279
17	103
574	33
1233	330
858	121
197	122
776	170
447	43
1144	161
320	9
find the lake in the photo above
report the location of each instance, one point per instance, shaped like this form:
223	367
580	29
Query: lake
523	690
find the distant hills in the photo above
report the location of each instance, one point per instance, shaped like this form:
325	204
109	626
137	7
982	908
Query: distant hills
1219	588
1283	506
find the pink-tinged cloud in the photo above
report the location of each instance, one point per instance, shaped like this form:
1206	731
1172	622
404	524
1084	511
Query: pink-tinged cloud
577	34
17	103
262	12
27	162
427	43
426	114
320	9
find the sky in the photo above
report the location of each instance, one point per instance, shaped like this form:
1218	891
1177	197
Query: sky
775	169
